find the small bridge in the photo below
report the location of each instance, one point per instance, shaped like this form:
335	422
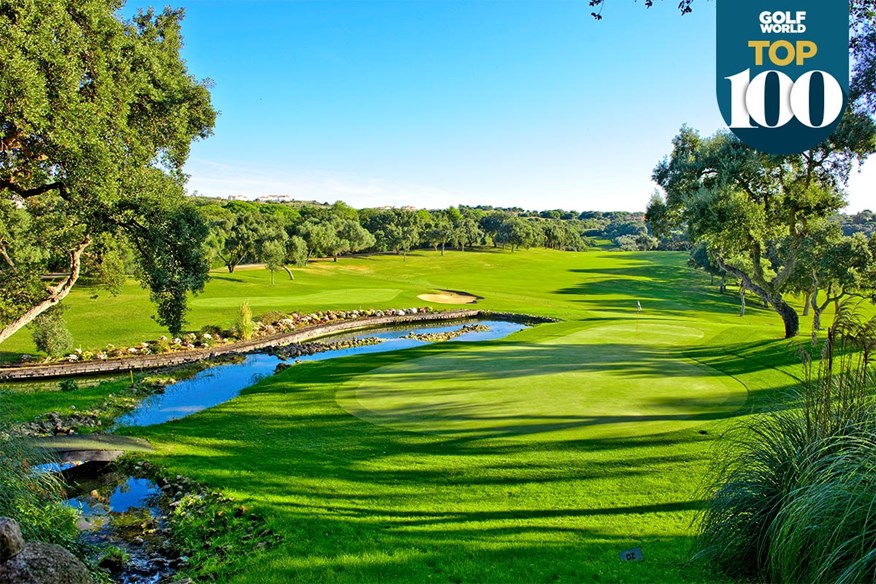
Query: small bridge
92	447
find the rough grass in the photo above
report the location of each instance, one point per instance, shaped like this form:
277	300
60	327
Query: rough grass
530	491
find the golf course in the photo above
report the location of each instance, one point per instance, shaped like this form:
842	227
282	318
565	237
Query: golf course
535	458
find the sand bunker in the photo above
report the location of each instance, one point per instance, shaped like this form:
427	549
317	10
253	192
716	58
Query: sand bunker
450	297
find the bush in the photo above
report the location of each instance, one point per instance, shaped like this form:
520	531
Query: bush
68	385
50	333
794	498
244	321
162	345
212	329
273	317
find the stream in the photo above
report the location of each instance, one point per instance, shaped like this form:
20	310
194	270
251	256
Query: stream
219	384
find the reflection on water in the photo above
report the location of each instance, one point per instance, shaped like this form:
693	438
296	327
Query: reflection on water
122	511
134	493
219	384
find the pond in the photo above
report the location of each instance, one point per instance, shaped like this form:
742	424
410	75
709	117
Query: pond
219	384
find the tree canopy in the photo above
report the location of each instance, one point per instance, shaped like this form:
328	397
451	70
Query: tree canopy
753	211
96	120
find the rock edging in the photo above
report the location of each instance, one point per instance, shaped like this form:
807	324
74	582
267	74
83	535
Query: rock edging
31	372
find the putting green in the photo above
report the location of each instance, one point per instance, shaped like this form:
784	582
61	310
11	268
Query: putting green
600	382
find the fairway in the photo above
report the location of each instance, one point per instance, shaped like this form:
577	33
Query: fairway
600	382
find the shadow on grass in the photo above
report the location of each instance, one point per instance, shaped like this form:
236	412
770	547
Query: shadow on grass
361	502
660	283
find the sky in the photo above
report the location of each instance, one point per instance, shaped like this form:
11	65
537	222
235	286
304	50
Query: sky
528	103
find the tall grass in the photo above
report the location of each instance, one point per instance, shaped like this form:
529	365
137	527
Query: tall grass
244	324
794	498
33	499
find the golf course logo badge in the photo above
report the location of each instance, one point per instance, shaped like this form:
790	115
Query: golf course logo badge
782	71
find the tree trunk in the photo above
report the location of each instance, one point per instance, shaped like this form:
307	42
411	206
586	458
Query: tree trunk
288	271
816	310
56	294
723	287
272	277
806	299
335	258
442	248
230	268
404	256
788	314
742	300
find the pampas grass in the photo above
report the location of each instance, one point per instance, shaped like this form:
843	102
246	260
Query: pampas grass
794	499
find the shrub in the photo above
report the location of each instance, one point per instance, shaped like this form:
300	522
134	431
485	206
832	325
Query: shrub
272	317
794	497
212	329
244	321
50	333
162	345
68	385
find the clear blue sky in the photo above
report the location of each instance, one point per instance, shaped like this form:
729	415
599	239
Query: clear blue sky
432	103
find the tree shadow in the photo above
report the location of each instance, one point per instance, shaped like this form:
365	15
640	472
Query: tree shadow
668	288
362	502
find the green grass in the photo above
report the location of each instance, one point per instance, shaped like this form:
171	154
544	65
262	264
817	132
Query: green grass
537	458
567	285
22	402
608	381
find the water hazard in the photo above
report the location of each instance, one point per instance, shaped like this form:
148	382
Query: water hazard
219	384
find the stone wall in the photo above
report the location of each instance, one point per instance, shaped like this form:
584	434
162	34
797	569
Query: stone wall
95	367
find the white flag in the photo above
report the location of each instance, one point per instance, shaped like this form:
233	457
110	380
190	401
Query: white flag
639	304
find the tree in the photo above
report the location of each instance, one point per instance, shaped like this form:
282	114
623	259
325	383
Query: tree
273	253
96	120
356	238
50	332
296	254
836	265
862	92
516	232
492	222
743	204
321	238
271	242
467	232
440	231
404	230
377	222
700	258
239	238
562	236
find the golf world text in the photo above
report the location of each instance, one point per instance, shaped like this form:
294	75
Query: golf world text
774	90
